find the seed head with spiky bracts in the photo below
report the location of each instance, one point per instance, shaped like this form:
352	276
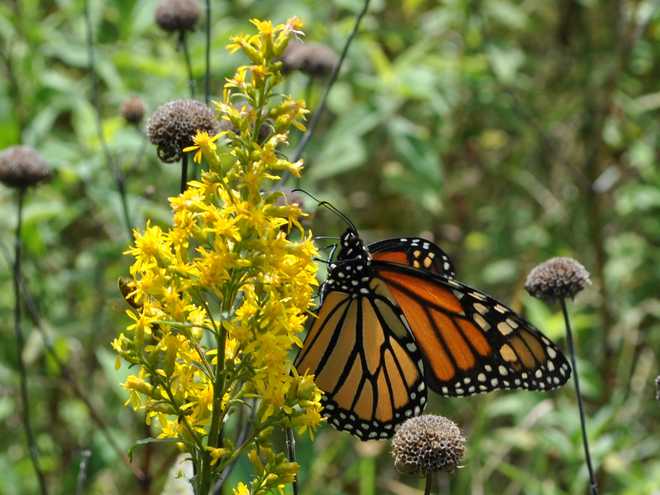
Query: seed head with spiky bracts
22	166
427	443
173	125
557	278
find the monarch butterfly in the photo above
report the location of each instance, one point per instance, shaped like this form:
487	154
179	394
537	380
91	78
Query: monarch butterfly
393	321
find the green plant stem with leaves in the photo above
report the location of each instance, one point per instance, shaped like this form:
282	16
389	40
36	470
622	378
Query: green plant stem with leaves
67	374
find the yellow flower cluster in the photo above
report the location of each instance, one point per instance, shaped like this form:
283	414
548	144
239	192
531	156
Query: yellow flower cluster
219	299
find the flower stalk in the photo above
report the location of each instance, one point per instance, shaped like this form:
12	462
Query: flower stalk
118	176
428	485
556	280
20	344
207	48
183	44
593	486
184	173
328	87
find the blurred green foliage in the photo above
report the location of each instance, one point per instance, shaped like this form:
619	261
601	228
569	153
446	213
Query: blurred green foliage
507	131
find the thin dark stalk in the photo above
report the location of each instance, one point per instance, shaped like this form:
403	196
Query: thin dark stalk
328	87
140	155
429	483
291	454
215	432
183	43
244	429
576	379
166	464
309	87
207	73
120	181
67	374
14	91
20	343
184	172
82	471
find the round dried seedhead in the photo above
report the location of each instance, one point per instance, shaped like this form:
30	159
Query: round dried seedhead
427	444
177	15
133	110
172	127
313	59
557	278
23	166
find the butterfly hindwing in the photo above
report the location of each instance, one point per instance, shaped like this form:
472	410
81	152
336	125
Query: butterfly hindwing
364	361
470	342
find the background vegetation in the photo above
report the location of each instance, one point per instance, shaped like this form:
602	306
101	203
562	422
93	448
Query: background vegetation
507	131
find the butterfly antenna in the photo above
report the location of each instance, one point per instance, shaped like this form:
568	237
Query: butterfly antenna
329	206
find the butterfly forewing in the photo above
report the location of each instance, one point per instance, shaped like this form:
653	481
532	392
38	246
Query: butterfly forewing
413	252
470	342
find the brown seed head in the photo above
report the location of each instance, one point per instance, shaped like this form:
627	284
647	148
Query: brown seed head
22	166
426	444
177	15
133	110
314	59
557	278
172	127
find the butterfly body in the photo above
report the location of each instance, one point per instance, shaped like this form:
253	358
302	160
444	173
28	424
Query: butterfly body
393	321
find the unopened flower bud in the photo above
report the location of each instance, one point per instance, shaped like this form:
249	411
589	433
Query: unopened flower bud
133	110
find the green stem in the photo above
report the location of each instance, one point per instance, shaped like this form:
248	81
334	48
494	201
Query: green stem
576	379
20	344
82	471
207	74
183	43
368	476
215	433
120	180
429	483
184	172
328	87
68	375
309	87
291	454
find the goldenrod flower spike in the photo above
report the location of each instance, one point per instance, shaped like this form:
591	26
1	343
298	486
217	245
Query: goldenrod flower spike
221	297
